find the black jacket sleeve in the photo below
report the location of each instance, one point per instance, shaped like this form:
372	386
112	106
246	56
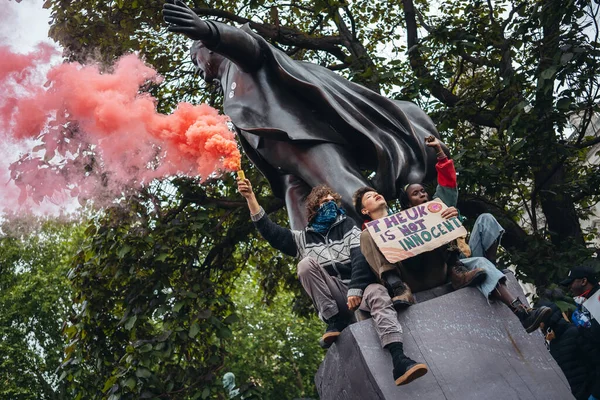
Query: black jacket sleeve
279	237
590	343
362	275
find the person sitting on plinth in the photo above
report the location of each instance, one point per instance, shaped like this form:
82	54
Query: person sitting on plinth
372	205
487	232
334	273
430	269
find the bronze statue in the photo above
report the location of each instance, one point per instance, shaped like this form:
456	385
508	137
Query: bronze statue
303	125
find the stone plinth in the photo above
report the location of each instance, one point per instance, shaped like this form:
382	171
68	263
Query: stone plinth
474	350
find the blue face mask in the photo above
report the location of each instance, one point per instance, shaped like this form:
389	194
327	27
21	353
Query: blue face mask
326	216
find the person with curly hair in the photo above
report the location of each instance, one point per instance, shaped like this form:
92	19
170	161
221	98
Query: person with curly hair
334	272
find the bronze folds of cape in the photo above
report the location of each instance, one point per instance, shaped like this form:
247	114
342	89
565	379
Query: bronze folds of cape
303	125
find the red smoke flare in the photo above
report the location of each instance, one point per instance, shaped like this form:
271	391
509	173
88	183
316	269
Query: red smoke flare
99	133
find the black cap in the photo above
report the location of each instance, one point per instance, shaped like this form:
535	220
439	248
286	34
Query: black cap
579	272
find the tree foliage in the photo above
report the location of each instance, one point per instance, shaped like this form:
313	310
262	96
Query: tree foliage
273	347
152	285
506	79
35	301
502	79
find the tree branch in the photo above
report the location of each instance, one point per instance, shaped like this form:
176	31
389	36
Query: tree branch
588	143
458	75
338	67
417	63
475	60
427	27
352	22
491	11
511	14
282	34
362	61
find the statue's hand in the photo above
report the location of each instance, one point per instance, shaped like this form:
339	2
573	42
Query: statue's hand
182	19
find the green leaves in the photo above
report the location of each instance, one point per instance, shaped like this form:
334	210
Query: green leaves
194	329
149	303
34	303
123	251
271	343
143	373
130	322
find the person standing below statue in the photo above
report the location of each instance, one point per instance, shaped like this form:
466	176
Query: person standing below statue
565	345
334	273
301	124
430	269
582	281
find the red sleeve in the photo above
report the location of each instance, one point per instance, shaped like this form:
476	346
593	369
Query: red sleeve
446	172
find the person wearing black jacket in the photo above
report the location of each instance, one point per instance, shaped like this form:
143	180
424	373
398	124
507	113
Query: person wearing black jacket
565	345
583	283
334	272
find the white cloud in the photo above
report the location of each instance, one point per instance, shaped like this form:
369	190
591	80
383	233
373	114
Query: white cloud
25	24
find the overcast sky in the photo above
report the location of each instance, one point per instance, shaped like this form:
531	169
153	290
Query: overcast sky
27	24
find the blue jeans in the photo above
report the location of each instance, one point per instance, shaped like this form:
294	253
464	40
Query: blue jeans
486	231
493	274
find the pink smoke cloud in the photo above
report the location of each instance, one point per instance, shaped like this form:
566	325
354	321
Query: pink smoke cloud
97	133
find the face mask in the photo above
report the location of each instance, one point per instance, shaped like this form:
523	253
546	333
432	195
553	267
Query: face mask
326	216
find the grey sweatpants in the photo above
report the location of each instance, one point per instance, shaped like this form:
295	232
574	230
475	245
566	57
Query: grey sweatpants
329	295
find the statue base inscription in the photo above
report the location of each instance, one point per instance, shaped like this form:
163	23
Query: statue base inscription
474	350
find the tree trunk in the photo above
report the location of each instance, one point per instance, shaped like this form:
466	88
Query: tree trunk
558	208
557	205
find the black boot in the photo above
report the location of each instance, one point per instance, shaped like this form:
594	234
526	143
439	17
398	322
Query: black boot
405	369
400	293
530	318
335	326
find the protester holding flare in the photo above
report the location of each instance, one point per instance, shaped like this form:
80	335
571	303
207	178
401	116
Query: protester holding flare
430	269
334	272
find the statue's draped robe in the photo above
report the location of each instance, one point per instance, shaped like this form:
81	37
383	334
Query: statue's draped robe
271	98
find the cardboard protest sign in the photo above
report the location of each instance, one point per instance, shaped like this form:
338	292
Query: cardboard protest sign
593	305
414	231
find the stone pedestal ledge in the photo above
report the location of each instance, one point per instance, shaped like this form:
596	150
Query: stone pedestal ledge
474	350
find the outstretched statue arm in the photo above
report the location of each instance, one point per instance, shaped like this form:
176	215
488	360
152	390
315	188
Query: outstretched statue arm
231	42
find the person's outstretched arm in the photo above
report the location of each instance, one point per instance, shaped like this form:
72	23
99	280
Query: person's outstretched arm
447	189
281	238
229	41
